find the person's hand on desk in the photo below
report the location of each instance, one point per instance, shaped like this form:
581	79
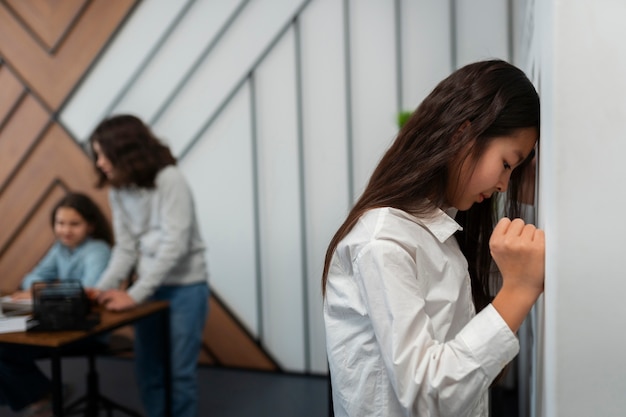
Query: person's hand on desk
116	300
93	294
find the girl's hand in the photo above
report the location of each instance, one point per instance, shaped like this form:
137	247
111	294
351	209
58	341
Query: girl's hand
21	295
92	294
519	251
116	300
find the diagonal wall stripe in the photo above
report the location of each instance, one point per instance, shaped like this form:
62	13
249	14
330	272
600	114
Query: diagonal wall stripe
53	76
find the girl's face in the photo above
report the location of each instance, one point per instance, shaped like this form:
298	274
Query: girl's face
102	162
492	171
70	228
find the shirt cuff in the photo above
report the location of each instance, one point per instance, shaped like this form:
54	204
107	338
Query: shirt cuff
490	340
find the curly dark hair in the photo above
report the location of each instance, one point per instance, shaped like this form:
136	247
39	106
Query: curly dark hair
133	150
466	110
89	211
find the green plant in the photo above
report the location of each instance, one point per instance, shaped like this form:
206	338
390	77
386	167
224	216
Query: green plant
403	116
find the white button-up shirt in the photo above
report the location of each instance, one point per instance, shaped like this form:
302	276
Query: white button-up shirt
402	335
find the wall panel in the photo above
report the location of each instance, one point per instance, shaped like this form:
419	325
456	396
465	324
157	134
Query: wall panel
219	170
227	66
373	84
425	27
481	35
52	76
117	65
280	210
12	92
198	30
326	162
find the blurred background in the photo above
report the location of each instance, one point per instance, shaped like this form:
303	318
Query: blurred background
278	111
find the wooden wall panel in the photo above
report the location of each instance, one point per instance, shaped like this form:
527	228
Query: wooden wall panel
17	137
49	20
53	76
11	90
56	159
32	242
229	344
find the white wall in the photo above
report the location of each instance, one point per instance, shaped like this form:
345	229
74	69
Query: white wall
582	67
279	110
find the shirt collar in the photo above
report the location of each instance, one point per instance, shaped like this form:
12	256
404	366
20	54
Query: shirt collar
441	223
69	251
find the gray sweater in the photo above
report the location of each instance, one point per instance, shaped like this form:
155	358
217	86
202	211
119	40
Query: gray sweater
156	231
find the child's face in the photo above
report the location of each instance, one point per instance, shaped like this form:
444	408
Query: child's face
492	171
102	161
70	228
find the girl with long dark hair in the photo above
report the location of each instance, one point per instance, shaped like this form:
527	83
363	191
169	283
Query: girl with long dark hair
412	328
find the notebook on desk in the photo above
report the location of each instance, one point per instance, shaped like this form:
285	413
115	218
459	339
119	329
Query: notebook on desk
14	314
8	304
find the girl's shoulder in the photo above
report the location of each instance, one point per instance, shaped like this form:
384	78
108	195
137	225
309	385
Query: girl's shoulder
390	216
92	244
170	176
390	223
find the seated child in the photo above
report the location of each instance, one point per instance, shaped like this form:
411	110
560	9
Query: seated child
81	252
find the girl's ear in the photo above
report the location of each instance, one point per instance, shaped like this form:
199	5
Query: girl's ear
90	229
464	126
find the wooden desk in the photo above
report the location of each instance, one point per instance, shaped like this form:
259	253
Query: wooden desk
58	341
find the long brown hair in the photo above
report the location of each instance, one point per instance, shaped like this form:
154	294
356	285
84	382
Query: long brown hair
466	110
135	153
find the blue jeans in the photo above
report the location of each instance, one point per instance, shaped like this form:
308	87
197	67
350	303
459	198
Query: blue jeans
188	311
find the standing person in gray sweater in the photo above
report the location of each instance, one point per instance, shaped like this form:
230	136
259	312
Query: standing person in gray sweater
156	234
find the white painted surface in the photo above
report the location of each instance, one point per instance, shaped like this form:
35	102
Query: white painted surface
279	205
374	85
584	120
482	30
426	26
227	65
220	172
117	65
325	150
195	33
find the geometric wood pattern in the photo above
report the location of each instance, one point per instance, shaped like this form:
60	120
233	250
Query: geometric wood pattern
52	73
53	160
230	345
46	47
48	20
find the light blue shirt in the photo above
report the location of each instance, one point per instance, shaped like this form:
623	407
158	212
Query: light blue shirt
85	263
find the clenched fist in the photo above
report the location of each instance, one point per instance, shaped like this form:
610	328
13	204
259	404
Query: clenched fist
519	251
